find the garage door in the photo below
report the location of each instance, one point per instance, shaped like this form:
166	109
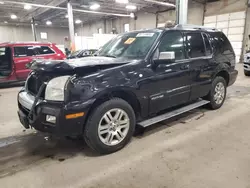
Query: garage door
232	25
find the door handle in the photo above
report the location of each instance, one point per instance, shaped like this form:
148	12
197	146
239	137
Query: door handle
184	67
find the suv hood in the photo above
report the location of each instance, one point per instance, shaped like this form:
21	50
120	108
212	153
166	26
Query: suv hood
71	66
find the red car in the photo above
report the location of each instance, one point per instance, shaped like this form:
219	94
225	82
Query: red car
15	56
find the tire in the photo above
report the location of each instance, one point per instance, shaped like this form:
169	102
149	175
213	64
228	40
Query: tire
217	82
247	73
106	141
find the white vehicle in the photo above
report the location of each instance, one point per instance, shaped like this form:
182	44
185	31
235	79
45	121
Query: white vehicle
247	63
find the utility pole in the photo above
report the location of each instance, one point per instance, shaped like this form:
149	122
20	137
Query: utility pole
33	27
181	11
71	26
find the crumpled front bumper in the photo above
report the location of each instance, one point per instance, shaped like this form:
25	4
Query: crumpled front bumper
43	108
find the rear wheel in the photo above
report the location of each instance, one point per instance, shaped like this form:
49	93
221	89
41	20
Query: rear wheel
247	73
110	126
217	94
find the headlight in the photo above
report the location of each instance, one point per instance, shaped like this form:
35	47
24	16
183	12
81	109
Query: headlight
55	88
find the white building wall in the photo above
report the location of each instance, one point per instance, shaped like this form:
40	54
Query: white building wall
225	6
195	13
24	33
230	17
247	31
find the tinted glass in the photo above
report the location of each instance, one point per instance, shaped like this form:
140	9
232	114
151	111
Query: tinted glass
30	51
207	45
195	45
43	50
22	51
5	58
221	42
173	42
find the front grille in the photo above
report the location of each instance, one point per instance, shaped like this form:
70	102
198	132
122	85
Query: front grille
33	84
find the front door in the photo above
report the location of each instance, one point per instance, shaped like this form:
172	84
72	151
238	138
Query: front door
5	62
171	80
22	56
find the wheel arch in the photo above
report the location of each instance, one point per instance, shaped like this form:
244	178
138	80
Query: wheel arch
222	71
224	74
124	94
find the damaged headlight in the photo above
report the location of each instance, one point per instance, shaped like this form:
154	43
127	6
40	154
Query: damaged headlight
55	88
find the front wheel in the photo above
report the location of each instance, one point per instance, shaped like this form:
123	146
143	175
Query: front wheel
110	126
218	92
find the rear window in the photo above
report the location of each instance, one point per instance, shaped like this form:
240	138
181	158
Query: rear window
43	50
24	51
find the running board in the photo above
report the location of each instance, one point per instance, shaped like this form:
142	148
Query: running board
173	113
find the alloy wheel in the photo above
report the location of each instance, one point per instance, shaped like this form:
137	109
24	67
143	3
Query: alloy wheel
113	127
219	93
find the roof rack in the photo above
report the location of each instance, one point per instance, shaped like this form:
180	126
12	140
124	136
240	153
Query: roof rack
189	26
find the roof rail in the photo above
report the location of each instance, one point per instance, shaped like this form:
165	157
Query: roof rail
189	26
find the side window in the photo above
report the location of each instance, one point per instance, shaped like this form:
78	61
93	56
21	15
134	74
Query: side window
220	42
30	51
23	51
173	41
207	45
43	50
195	45
225	42
20	52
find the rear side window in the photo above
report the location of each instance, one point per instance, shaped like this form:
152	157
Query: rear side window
221	42
43	50
195	45
207	45
24	51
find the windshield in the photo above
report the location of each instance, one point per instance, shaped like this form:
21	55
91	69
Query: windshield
134	45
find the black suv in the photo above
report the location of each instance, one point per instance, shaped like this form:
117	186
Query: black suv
134	79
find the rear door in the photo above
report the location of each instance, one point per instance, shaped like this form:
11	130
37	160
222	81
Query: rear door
199	52
22	56
45	52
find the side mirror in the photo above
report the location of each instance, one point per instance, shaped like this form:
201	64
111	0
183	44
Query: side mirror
170	56
165	58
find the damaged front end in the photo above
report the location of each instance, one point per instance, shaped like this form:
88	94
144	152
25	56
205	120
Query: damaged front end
43	101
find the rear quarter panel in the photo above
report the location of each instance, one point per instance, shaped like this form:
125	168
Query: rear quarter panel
21	71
